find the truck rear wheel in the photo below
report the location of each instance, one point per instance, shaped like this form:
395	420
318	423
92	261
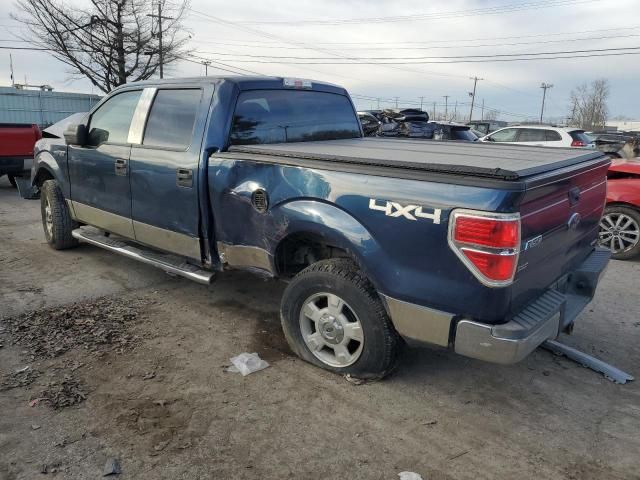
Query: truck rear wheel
56	218
332	317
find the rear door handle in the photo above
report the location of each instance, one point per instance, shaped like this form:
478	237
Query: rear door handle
121	167
184	177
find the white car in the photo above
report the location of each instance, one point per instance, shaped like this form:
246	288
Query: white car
542	136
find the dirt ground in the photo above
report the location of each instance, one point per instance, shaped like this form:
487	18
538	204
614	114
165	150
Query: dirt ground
136	372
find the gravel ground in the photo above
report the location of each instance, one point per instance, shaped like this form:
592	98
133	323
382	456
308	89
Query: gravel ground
127	363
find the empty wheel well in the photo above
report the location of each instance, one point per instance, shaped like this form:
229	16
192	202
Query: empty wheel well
42	176
297	251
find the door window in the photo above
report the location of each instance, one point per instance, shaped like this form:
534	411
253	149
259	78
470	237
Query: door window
111	122
532	135
171	118
506	135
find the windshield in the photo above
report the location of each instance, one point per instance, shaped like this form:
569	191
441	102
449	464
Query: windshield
279	116
463	134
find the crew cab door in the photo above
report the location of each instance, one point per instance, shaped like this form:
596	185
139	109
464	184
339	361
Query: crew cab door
99	170
164	171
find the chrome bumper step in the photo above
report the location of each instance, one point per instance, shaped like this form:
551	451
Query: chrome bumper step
165	261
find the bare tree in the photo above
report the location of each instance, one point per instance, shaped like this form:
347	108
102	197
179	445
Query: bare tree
589	104
112	42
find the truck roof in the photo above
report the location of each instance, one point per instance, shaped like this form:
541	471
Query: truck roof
500	162
242	82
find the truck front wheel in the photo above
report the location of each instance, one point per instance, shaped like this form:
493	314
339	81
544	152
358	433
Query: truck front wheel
332	317
56	218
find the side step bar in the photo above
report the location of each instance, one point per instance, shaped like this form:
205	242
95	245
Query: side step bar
167	262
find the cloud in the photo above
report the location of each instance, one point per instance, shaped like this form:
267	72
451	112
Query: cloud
512	87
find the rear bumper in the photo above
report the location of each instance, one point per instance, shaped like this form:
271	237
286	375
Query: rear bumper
542	319
15	165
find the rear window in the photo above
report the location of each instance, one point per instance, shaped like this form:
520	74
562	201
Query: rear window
531	135
280	116
580	136
552	136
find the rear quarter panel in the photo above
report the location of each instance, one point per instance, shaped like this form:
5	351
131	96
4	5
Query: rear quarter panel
405	259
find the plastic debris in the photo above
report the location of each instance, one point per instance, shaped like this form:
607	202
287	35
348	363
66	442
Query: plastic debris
112	467
247	363
409	476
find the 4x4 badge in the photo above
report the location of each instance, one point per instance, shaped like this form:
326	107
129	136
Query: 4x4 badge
410	212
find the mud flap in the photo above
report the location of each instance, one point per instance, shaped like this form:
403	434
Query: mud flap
26	190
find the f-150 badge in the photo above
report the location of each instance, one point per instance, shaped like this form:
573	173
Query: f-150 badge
410	212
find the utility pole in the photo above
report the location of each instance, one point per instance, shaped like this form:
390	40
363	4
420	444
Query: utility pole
421	102
544	88
206	64
446	105
378	99
455	111
473	95
434	110
482	115
13	83
396	99
160	50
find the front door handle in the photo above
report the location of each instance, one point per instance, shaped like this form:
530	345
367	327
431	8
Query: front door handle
121	167
184	177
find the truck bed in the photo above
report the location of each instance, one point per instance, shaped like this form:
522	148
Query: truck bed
498	162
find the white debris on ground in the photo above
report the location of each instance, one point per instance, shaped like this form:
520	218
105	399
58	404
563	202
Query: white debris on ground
247	363
409	476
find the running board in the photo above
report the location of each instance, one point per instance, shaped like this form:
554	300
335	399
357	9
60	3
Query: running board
165	261
609	371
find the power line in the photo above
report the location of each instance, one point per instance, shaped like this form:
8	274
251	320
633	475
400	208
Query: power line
437	57
433	47
450	40
453	61
496	10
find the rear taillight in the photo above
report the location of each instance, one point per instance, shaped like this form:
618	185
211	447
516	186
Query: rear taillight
487	243
578	143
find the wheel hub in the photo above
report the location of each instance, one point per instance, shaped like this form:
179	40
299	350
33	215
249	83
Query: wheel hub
331	329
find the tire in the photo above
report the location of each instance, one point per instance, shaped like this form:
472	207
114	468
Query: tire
56	219
620	231
360	325
12	180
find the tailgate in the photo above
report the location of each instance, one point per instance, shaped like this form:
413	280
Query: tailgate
17	140
560	214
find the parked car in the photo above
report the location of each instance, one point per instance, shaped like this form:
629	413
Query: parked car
486	126
381	241
616	145
541	135
16	149
620	224
370	124
415	123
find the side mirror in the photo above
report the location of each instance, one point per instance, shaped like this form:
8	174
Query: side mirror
75	134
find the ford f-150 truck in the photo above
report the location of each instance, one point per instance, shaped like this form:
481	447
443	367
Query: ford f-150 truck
16	149
488	250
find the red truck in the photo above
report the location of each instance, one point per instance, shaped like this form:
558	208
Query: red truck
16	149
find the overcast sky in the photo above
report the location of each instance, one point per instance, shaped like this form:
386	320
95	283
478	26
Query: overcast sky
452	28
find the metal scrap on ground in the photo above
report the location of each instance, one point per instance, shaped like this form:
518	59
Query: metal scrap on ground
609	371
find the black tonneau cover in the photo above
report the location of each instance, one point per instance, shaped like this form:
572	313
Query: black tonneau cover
499	162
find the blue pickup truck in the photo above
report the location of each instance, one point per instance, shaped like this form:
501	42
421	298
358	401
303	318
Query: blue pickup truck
488	250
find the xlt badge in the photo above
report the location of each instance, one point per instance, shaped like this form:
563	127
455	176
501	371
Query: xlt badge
410	212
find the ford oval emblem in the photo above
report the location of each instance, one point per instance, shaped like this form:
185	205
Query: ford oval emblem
574	221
